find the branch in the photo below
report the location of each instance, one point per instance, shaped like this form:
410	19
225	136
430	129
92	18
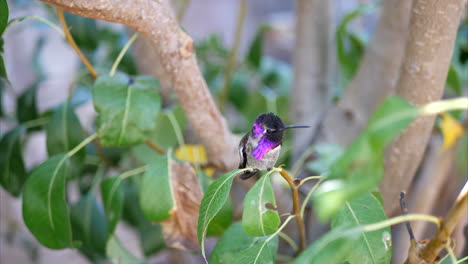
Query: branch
296	206
175	48
432	250
310	91
428	51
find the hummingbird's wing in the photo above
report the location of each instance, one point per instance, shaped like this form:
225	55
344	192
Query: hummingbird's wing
242	151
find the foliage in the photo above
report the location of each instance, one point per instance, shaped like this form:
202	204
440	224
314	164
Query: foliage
123	164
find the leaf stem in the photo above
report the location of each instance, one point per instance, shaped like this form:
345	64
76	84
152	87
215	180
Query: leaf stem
296	207
36	122
72	43
41	19
288	240
400	219
306	200
122	53
308	179
81	145
154	146
233	55
444	106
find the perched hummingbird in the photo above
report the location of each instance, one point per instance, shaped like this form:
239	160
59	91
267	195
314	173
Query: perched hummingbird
259	149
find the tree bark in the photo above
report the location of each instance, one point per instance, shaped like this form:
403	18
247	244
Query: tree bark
428	51
375	78
310	95
175	49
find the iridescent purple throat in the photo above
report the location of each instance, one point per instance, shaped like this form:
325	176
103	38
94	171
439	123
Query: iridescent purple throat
264	145
257	129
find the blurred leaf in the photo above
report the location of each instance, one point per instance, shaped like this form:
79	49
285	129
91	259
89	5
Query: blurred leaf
13	173
332	248
453	80
255	53
84	31
3	73
64	132
118	253
151	238
112	198
369	247
360	168
127	108
328	154
156	194
212	202
461	155
451	130
179	230
235	240
89	226
194	154
257	219
3	15
26	108
222	220
45	210
238	91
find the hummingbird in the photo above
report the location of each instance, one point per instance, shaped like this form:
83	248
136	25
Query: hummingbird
259	149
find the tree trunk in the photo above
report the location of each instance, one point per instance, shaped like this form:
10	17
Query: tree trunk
375	78
310	88
428	51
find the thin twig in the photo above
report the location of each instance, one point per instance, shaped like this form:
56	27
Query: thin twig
72	43
233	56
154	146
296	207
122	53
404	211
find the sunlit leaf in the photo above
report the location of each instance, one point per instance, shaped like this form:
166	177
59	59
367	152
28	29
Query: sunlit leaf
451	130
112	198
369	247
127	108
257	219
212	202
156	194
235	243
45	210
12	171
195	154
89	226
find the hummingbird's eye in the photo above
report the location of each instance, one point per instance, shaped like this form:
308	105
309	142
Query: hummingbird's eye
269	131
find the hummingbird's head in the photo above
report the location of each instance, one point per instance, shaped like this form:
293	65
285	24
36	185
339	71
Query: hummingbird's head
270	126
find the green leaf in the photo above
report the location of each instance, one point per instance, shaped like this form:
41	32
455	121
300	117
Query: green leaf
3	15
84	31
26	108
151	238
120	254
3	73
332	248
257	219
235	243
360	168
370	247
89	226
328	154
112	198
45	210
127	108
211	204
156	194
454	81
222	220
12	171
255	53
64	132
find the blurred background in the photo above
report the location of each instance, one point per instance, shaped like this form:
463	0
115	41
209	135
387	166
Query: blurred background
41	67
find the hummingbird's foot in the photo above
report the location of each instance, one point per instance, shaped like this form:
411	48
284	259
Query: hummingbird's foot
248	174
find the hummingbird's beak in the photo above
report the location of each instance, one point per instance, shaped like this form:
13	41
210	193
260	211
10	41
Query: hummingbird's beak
287	127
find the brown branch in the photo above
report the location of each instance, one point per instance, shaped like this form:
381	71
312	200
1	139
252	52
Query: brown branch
428	51
296	207
175	49
72	43
432	250
310	89
231	64
404	211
